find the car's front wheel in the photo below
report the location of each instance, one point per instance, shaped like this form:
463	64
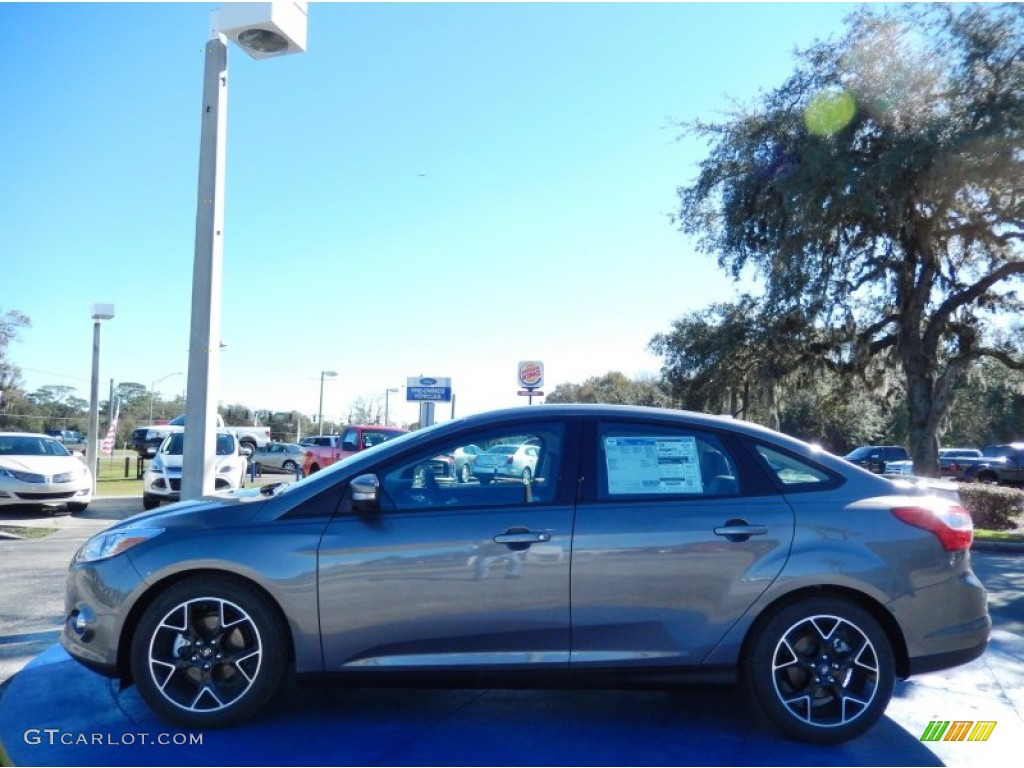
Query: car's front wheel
821	669
149	501
209	652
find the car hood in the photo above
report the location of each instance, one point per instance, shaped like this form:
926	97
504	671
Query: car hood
229	509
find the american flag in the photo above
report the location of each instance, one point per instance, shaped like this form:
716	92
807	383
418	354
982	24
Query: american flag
108	441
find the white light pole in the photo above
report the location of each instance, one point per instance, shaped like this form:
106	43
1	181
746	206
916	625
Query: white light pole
99	312
320	413
152	392
387	392
262	30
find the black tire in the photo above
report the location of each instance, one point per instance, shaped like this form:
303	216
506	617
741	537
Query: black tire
149	501
820	669
485	479
248	444
987	478
527	476
290	466
209	652
77	506
464	474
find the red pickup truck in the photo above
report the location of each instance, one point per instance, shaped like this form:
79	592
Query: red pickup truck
351	440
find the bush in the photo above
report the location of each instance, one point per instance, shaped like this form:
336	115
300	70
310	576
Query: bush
992	507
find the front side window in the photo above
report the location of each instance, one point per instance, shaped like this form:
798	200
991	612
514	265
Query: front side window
516	466
658	461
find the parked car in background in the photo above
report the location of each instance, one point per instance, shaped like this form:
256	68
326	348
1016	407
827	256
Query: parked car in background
279	457
146	439
352	439
1003	464
73	441
953	462
875	458
39	471
162	480
465	459
672	547
508	461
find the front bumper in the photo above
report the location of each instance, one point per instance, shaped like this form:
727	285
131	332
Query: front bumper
97	598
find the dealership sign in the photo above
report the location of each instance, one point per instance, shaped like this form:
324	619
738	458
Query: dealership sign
428	389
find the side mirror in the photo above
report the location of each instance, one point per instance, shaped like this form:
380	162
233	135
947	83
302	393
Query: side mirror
364	492
349	445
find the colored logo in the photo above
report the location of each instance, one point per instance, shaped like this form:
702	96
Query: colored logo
531	374
958	730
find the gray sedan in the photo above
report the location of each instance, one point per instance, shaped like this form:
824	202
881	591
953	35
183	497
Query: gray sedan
646	545
279	457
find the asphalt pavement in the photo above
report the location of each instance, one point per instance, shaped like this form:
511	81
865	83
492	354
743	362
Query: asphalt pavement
56	712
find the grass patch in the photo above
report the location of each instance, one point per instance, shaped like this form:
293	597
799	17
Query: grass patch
1013	537
33	532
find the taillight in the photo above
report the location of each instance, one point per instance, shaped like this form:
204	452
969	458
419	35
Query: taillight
951	524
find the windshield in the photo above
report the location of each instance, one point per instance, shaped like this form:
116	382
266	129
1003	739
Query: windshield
30	445
174	445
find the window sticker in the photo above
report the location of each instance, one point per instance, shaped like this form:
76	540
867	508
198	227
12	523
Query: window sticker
652	465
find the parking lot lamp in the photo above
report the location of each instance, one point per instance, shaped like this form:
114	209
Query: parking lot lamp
387	392
262	30
152	392
320	413
100	312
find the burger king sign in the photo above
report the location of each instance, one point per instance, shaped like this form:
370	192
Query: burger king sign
531	374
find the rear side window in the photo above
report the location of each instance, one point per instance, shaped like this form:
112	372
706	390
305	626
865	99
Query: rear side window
795	474
656	461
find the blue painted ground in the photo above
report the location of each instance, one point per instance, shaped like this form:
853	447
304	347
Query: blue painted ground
56	712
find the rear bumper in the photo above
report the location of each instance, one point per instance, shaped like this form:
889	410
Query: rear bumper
944	625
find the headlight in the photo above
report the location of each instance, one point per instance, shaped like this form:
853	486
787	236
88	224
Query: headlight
156	467
111	543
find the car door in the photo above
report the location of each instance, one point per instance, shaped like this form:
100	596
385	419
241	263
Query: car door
677	533
448	575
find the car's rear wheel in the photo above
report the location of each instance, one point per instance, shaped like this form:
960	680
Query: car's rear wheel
209	652
527	476
821	669
289	466
464	473
484	479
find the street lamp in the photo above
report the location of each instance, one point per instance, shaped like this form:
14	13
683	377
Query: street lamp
152	392
99	312
387	392
262	30
320	413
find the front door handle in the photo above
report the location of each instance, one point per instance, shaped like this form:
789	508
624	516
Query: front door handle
522	537
740	530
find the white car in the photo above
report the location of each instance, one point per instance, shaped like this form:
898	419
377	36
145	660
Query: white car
162	481
38	470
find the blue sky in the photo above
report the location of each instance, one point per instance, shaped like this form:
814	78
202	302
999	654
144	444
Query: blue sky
437	189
